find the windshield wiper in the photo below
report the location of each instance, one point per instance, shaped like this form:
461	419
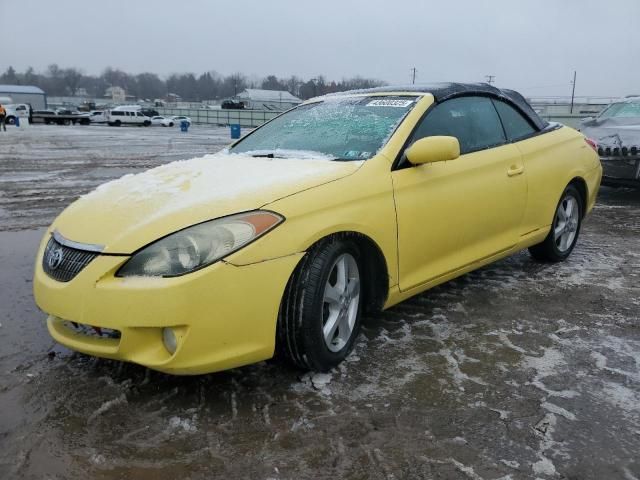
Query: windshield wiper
263	155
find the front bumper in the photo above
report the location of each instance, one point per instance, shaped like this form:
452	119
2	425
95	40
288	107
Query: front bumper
621	170
224	316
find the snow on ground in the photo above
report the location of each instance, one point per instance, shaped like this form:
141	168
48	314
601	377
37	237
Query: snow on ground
520	370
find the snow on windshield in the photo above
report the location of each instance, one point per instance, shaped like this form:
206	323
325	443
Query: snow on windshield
351	128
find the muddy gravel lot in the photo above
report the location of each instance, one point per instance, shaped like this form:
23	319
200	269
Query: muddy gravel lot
519	370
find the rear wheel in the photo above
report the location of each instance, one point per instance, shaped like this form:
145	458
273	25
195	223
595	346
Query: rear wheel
319	317
565	229
117	123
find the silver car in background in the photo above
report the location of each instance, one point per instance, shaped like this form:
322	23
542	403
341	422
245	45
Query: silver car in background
617	133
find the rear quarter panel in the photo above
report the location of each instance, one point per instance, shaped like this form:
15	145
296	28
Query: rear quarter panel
551	161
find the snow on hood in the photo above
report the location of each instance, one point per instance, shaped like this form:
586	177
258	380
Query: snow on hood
130	212
613	132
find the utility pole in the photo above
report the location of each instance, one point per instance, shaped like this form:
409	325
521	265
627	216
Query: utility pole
490	78
413	76
573	91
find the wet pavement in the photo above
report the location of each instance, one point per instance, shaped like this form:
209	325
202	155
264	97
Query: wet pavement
519	370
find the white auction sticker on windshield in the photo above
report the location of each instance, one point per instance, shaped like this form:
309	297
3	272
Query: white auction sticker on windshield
386	102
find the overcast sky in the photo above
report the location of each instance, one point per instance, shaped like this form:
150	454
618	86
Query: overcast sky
529	45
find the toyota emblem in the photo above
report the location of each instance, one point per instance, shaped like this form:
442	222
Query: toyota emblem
54	259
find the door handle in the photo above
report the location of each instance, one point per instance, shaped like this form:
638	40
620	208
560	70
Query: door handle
515	170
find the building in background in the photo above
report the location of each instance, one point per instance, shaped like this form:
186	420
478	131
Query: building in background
25	94
116	94
256	99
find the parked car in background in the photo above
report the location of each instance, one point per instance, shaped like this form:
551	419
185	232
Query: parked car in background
162	121
617	133
127	115
149	112
230	104
17	110
181	118
353	202
97	116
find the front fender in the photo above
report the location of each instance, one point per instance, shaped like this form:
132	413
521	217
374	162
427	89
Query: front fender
361	203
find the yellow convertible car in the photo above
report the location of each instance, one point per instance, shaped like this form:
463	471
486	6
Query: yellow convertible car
349	202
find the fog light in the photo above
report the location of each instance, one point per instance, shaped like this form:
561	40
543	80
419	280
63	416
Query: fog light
170	340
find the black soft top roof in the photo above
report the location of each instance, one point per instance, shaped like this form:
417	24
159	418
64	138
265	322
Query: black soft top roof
444	91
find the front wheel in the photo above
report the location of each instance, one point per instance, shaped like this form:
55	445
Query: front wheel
565	229
319	316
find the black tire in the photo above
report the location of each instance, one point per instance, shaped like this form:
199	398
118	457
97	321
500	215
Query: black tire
10	120
147	123
171	124
300	339
550	249
117	123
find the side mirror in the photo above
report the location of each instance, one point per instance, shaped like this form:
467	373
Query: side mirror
433	149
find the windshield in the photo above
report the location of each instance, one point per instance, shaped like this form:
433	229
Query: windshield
351	128
621	110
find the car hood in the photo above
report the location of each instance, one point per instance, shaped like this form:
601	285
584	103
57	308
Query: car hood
613	132
125	214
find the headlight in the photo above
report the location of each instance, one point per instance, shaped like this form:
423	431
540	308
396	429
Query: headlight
198	246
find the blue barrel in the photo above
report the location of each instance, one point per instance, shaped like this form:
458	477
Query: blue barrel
17	121
184	126
235	131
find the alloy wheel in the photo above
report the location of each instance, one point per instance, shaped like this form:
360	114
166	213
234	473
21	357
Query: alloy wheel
566	223
341	302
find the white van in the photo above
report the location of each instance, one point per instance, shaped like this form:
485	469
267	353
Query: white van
127	115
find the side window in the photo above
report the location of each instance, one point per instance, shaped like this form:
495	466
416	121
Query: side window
516	126
472	120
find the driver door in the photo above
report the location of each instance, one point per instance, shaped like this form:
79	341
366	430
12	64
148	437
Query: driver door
452	214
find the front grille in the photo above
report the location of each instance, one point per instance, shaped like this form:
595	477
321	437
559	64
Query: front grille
91	331
63	263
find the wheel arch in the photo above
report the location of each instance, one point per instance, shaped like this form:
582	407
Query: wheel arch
374	264
581	185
